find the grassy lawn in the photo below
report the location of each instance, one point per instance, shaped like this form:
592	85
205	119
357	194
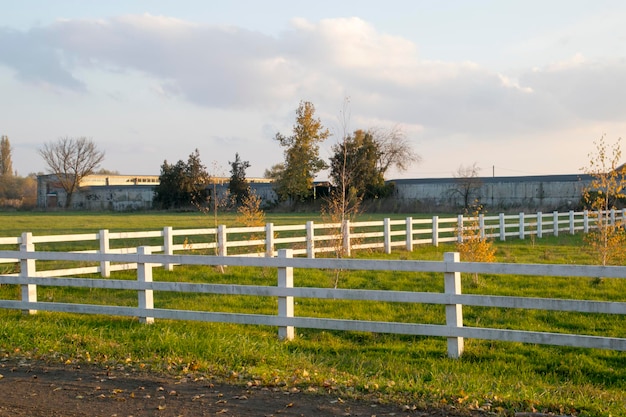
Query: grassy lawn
495	376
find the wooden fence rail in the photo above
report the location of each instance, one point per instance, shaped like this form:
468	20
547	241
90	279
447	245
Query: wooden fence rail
286	320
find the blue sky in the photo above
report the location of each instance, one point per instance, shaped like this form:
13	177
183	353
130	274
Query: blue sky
516	87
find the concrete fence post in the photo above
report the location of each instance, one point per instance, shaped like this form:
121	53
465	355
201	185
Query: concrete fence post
27	269
387	235
409	234
105	266
555	221
310	239
539	225
481	226
454	312
221	240
144	275
345	232
168	245
435	231
612	217
285	303
269	240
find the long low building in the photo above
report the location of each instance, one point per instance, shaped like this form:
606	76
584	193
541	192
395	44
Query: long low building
538	193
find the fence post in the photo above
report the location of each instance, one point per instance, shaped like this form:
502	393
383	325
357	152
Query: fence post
144	275
502	228
612	217
409	234
571	222
454	312
387	234
285	303
27	269
269	240
521	226
105	266
481	225
221	240
310	239
586	221
435	231
555	221
539	225
459	229
345	231
168	245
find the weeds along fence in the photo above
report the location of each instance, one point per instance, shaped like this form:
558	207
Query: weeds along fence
308	239
451	300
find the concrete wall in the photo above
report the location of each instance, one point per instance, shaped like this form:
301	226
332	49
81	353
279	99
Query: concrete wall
545	193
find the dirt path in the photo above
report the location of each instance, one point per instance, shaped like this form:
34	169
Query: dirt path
37	389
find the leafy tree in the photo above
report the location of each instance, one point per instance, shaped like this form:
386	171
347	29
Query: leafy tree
249	212
6	164
608	239
354	166
275	172
183	184
467	184
71	159
239	187
302	161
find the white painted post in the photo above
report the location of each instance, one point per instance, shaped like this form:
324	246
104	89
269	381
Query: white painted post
310	239
105	266
269	240
539	225
481	225
555	221
221	240
387	235
27	269
502	228
285	304
571	222
612	217
459	229
144	275
346	238
168	245
454	312
435	231
521	226
409	234
586	221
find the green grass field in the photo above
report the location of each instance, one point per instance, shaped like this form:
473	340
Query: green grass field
494	376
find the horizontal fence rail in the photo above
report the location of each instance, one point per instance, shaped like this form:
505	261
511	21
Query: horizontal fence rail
450	269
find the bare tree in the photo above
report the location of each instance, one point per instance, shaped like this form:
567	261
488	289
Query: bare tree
71	159
467	184
395	149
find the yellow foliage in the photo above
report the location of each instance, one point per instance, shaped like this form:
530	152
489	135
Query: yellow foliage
472	246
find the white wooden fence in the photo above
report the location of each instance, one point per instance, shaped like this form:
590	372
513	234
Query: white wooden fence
285	292
305	239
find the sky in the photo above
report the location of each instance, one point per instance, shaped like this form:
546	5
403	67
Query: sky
514	87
